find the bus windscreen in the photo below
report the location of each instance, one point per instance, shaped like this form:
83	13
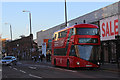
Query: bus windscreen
88	53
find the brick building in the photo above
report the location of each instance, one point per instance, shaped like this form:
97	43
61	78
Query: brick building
23	48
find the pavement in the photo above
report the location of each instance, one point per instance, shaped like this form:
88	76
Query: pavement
105	66
110	67
34	63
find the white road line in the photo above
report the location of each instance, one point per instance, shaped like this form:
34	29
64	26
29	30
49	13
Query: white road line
70	70
22	71
32	67
63	69
34	76
0	69
15	68
59	68
10	67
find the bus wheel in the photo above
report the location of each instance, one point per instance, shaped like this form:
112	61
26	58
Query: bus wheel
55	62
68	63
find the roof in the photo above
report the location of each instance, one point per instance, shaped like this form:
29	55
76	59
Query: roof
79	26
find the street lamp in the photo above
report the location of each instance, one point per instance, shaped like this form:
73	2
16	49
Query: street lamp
10	30
30	19
30	31
65	14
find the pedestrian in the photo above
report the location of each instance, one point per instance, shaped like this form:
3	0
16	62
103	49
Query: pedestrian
35	59
41	57
48	55
19	57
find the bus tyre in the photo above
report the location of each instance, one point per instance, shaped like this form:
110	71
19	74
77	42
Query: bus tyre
54	62
68	64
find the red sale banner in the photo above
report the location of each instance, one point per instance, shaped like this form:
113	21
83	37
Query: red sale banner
109	28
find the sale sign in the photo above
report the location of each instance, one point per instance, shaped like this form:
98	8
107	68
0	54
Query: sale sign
109	28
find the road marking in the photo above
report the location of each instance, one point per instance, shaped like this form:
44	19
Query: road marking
34	76
22	71
32	67
10	67
58	68
63	69
70	70
41	66
0	69
51	67
15	68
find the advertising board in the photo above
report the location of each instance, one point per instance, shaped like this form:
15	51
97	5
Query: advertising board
109	28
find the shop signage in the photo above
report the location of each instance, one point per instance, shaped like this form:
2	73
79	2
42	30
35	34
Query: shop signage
109	28
44	48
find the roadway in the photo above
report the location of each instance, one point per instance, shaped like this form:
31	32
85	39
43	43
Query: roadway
40	70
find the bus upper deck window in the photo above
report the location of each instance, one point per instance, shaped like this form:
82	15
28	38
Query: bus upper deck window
72	32
55	36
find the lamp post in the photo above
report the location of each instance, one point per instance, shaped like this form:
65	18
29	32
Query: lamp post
30	31
30	20
65	14
10	30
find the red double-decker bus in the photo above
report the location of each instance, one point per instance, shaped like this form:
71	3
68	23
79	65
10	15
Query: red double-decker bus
76	46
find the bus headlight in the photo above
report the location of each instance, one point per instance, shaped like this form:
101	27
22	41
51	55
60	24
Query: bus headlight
78	63
98	63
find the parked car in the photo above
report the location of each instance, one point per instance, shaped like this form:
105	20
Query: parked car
9	60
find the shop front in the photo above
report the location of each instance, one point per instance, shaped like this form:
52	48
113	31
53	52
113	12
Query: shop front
109	42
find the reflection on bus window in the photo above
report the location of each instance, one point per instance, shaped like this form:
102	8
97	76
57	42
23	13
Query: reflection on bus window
88	40
72	32
88	53
62	34
72	51
55	36
60	52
